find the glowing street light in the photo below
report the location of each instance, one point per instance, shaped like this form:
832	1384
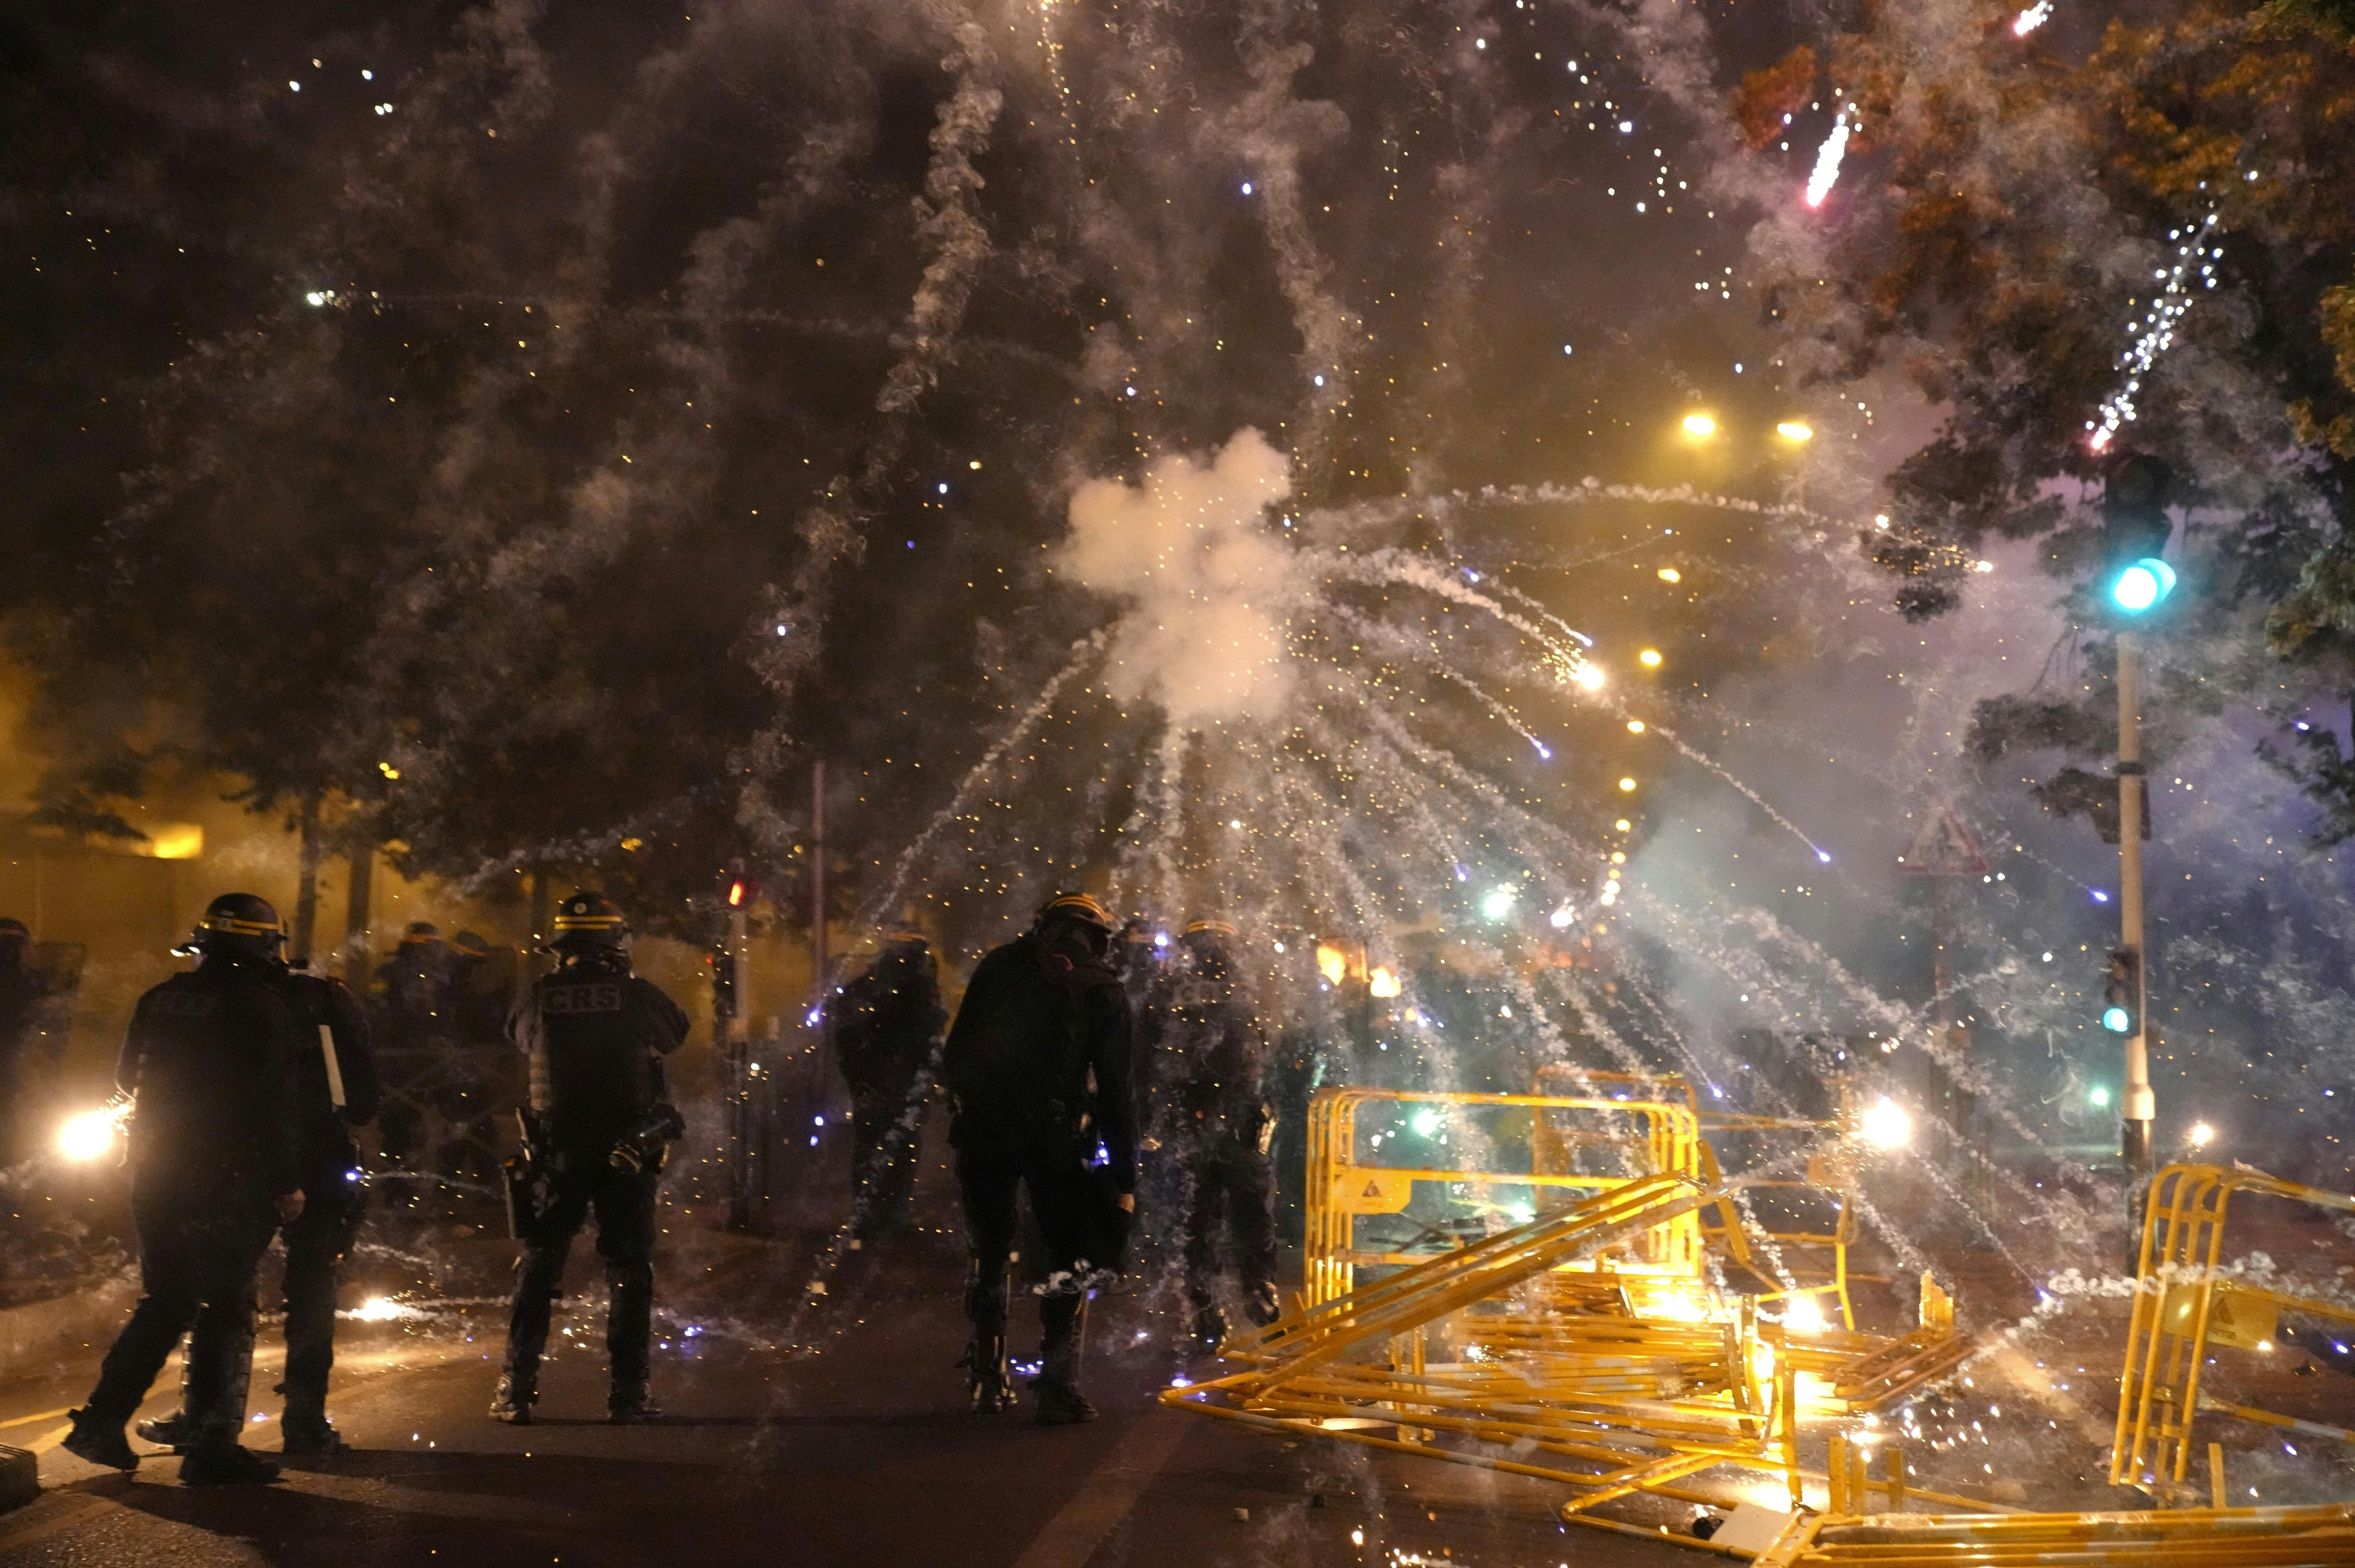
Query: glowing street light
1635	727
2203	1135
1670	574
1628	785
1700	427
1381	982
1498	904
1561	919
1649	657
1796	430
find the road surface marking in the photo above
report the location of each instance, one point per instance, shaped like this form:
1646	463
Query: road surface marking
42	1415
1072	1536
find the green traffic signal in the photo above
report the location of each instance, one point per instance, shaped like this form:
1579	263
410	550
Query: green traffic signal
2142	585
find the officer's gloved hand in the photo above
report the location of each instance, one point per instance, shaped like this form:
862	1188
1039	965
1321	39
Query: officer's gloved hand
1128	1202
290	1207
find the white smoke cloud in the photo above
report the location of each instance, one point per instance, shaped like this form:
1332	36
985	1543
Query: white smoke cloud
1205	583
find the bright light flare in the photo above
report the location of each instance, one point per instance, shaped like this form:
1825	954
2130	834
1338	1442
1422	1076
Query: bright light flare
1628	786
89	1135
1589	677
1827	161
2203	1135
1333	964
2035	16
1649	657
1885	1124
381	1310
1635	727
1498	904
1670	574
1701	427
1381	982
1426	1123
1805	1314
1561	919
2100	1096
1796	430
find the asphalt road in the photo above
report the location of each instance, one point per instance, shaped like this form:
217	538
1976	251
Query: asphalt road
802	1428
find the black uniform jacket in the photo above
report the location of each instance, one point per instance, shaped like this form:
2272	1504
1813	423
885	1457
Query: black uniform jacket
212	1056
317	999
604	1032
887	1019
1210	1051
1034	1033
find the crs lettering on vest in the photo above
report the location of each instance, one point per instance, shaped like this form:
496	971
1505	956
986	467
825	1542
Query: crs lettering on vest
183	1004
565	999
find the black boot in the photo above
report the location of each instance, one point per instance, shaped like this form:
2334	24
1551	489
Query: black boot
630	1405
512	1401
99	1441
172	1431
1060	1403
304	1428
988	1383
226	1465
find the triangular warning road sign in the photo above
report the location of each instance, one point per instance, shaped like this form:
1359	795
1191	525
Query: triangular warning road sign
1943	847
1373	1190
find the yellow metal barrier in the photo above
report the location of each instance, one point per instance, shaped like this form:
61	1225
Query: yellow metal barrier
1343	1185
2181	1538
2184	1303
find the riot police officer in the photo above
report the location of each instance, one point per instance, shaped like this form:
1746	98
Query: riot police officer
215	1149
335	1067
1208	1073
887	1023
599	1124
1038	1069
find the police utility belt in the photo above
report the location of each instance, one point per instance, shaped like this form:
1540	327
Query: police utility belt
535	1174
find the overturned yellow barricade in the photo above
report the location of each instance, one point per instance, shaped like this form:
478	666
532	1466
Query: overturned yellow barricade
2186	1302
1604	1405
2183	1538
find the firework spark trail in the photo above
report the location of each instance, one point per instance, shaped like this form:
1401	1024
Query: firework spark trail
1780	820
1829	156
2155	334
1083	652
1369	632
1157	804
1397	569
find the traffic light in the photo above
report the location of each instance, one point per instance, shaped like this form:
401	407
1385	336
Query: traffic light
723	985
2135	529
2122	994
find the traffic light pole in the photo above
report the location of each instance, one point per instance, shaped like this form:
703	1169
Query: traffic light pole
2139	1105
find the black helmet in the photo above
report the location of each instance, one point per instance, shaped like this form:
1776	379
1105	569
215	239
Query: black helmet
1079	908
241	923
13	930
472	944
421	931
590	920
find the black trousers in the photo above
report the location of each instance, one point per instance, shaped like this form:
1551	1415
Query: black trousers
1230	1200
624	1204
989	1179
197	1250
317	1245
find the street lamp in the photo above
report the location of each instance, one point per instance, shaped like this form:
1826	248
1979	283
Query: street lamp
1796	430
1700	427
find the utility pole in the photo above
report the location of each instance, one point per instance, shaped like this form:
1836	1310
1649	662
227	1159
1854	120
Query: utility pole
2140	1107
2135	530
817	878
